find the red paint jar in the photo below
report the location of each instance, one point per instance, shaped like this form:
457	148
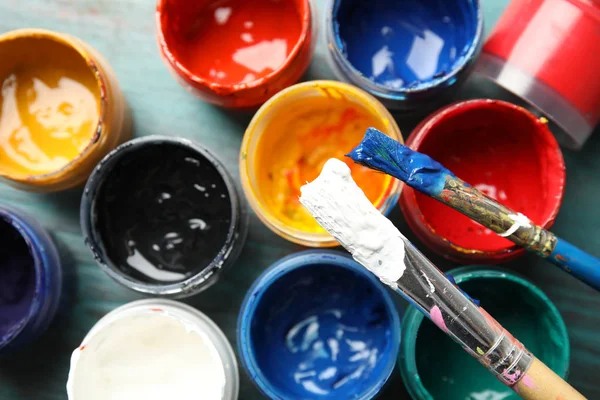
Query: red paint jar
548	53
236	53
499	148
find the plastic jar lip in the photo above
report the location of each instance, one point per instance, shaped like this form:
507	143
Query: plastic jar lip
412	320
443	246
403	97
96	67
303	48
48	276
255	130
293	262
205	278
185	314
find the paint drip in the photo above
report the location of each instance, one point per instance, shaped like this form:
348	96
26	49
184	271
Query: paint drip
147	357
164	213
234	41
405	44
342	209
327	339
17	282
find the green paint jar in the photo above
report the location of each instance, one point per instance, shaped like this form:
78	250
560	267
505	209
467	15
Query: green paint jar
433	366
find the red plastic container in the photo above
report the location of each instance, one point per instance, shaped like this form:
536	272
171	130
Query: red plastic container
548	53
502	150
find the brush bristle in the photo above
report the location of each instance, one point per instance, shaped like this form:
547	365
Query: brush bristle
382	153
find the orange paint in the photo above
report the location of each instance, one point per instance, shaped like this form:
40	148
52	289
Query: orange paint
236	53
295	147
49	107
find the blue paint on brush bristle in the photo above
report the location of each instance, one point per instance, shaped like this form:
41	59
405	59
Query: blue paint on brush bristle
382	153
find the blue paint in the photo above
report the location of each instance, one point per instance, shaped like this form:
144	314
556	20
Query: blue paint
407	44
419	171
577	262
316	324
30	279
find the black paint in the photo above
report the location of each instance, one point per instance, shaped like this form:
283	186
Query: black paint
168	204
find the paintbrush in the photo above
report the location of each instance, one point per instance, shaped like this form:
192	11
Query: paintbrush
342	209
419	171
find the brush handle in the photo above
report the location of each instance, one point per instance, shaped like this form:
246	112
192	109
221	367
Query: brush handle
576	262
520	230
541	383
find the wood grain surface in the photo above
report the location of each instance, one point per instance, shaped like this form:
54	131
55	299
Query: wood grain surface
124	32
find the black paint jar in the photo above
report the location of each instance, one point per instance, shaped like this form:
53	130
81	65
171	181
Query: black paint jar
163	217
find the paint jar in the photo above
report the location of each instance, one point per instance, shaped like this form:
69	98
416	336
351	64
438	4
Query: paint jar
411	55
162	216
318	324
546	52
155	348
433	366
500	149
30	279
289	140
62	110
236	53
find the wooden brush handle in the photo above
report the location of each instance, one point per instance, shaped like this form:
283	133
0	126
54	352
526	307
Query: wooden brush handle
541	383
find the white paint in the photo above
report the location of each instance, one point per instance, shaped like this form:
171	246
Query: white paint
431	287
519	221
150	356
344	211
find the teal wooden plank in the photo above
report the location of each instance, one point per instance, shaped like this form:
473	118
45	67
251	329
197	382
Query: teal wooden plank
123	30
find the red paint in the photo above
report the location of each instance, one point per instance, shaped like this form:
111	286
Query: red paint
558	43
499	148
156	309
81	348
236	53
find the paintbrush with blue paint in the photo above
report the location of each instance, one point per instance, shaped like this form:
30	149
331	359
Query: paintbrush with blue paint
419	171
344	211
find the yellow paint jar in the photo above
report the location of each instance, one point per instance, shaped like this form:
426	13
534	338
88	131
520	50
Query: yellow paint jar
61	110
292	136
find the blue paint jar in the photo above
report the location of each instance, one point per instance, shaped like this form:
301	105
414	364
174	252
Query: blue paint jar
410	54
317	324
30	279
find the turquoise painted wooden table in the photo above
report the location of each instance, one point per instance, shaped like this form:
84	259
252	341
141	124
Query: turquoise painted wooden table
123	30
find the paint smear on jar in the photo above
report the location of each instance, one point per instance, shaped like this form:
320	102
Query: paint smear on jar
48	116
236	41
294	148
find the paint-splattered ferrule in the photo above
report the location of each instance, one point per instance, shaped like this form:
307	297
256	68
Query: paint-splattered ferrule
48	279
421	95
546	52
502	344
112	127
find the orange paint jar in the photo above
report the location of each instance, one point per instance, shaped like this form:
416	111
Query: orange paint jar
236	53
289	140
61	110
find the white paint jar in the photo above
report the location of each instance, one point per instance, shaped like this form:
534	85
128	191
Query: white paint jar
148	348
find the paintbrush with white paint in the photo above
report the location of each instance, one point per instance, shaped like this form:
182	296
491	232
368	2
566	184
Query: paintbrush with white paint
342	209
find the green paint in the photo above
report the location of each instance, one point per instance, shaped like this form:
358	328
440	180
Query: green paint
481	352
446	371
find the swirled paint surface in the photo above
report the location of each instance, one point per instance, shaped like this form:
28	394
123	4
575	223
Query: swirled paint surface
405	44
49	108
321	332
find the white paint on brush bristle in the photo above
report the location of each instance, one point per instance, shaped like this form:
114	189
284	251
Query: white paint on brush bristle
344	211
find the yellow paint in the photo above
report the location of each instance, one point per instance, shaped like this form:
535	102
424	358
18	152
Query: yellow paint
49	113
295	145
